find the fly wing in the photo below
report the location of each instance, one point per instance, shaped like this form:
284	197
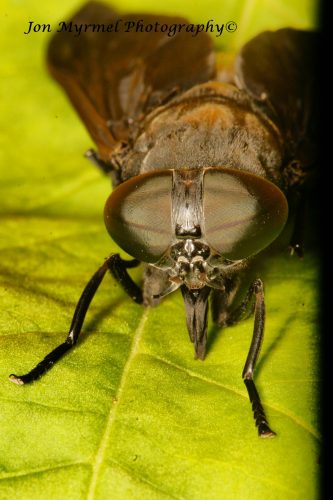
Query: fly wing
277	69
113	78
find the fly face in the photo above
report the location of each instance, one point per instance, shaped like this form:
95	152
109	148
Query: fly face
197	221
189	264
199	228
202	167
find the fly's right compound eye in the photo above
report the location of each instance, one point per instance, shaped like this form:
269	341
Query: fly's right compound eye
243	213
138	215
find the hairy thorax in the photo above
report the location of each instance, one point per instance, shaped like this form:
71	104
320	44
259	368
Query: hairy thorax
211	125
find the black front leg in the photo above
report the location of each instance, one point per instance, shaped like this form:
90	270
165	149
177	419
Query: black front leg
257	290
108	168
91	154
298	206
117	266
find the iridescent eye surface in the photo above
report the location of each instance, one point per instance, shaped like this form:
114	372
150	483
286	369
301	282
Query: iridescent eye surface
243	213
138	215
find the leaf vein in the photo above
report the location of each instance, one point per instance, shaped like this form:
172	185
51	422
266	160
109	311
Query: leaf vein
144	480
53	407
42	470
112	414
283	411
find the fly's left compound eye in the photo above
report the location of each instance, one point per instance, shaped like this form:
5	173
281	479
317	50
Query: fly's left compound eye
138	215
243	212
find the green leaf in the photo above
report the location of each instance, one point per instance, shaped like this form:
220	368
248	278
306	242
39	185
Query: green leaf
129	413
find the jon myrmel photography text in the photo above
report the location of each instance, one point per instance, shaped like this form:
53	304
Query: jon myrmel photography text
137	26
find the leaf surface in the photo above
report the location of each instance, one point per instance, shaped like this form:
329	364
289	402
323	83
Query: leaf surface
129	413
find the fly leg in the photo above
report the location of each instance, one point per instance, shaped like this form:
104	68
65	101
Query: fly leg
296	244
108	168
91	154
117	266
257	338
223	310
243	311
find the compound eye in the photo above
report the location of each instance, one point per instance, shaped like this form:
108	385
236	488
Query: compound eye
243	212
137	215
